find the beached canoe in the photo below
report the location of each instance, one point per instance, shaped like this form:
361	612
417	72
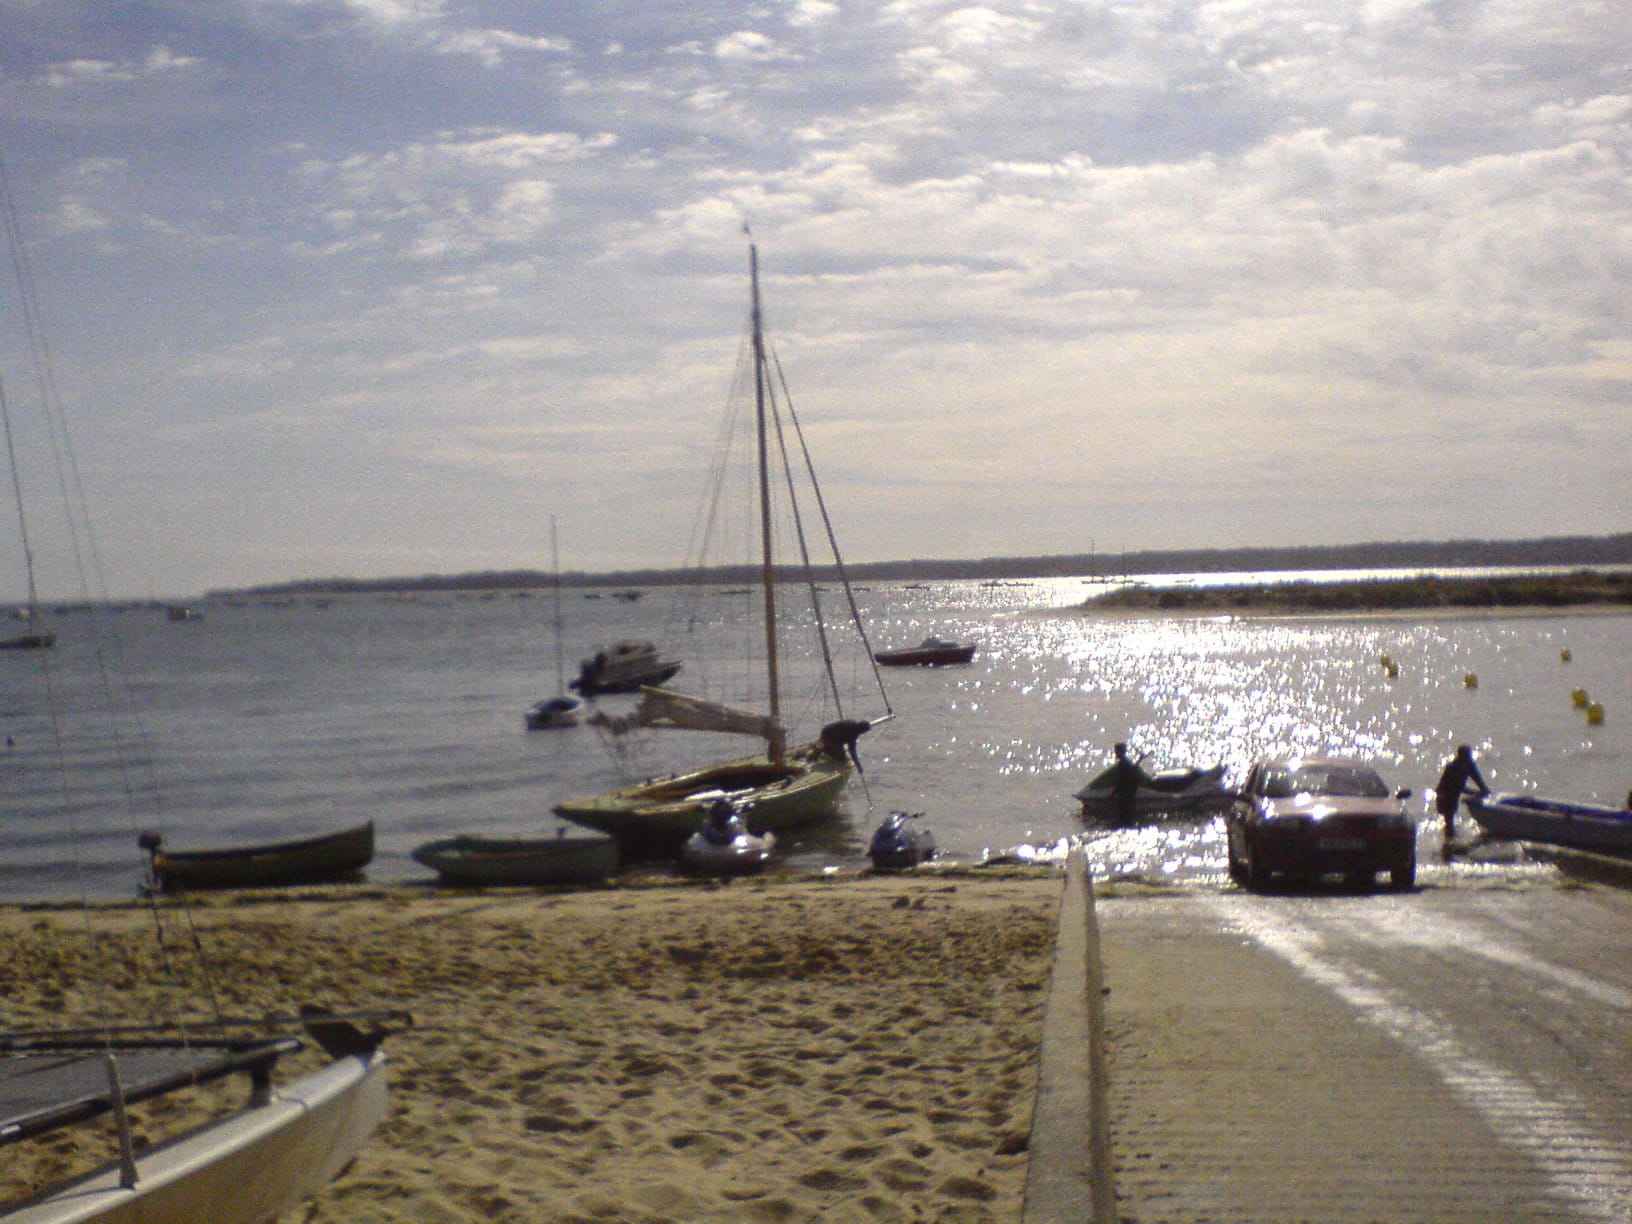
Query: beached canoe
497	862
310	860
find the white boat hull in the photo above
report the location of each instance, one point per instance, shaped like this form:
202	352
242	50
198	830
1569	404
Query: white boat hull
243	1169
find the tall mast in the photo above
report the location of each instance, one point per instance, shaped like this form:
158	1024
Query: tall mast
22	517
555	582
767	562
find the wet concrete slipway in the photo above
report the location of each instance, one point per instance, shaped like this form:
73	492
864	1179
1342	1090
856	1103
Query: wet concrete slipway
1459	1052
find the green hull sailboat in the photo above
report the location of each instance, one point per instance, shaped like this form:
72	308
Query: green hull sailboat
784	786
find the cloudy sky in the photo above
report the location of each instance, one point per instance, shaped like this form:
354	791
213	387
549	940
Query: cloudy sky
376	287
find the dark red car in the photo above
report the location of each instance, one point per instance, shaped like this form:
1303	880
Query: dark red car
1304	818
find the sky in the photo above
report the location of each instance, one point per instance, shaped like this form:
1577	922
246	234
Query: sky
369	288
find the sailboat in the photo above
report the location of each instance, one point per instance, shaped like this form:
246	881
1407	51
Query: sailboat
786	785
245	1165
560	710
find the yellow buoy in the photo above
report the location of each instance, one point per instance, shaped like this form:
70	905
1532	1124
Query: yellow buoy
1390	670
1578	698
1565	654
1470	681
1595	714
1387	661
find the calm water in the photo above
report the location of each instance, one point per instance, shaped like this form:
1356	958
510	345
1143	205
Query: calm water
260	721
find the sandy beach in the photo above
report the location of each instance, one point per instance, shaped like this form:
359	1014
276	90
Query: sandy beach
852	1048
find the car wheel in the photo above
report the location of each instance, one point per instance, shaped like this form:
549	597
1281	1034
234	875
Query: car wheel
1257	877
1404	876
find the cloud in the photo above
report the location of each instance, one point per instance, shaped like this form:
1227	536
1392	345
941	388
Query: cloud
996	237
158	62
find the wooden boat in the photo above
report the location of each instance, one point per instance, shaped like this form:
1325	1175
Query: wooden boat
498	862
1557	822
931	652
725	847
245	1167
900	843
624	667
553	713
311	860
783	787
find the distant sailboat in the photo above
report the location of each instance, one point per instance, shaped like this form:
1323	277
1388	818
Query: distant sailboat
560	710
786	785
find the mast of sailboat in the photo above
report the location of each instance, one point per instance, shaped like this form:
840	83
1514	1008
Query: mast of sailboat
22	516
767	557
555	583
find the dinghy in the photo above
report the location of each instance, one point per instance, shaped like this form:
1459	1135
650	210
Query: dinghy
496	862
1557	822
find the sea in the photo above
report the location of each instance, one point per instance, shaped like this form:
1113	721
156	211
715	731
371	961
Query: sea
262	719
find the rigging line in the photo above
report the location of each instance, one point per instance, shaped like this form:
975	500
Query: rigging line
22	514
777	405
833	544
82	541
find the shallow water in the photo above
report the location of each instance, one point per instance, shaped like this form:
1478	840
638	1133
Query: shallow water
265	719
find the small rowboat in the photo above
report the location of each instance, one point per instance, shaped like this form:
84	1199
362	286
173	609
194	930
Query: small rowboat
931	652
1557	822
520	862
311	860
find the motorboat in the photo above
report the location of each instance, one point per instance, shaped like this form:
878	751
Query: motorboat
900	843
933	651
624	667
1167	791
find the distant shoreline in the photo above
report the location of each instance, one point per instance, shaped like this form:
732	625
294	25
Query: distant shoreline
1577	591
1609	550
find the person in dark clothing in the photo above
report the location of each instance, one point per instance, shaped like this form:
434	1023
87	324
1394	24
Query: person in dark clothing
1126	777
1459	771
839	738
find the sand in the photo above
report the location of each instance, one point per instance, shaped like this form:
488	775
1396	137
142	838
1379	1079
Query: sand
860	1048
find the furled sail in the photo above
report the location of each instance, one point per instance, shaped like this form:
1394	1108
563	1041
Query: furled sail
664	708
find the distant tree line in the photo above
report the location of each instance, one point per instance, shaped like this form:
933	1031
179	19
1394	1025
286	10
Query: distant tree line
1612	550
1581	588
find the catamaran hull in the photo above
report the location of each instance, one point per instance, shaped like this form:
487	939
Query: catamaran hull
244	1169
653	819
